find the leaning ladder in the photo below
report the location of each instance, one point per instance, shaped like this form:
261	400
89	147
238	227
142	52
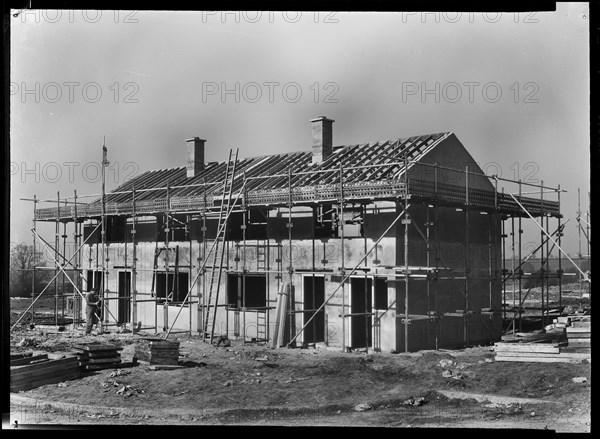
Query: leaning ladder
219	249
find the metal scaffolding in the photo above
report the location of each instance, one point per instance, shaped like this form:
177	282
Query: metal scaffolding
394	184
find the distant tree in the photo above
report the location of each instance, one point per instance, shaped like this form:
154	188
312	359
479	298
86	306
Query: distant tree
23	258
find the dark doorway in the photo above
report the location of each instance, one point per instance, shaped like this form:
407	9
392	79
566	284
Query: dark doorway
314	296
124	292
234	286
361	297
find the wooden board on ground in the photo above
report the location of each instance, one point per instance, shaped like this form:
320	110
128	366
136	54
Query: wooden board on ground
571	329
43	374
587	335
574	355
29	360
164	344
581	325
164	362
537	359
580	349
38	366
164	352
580	343
20	355
99	347
104	360
33	384
104	354
102	366
164	367
40	372
526	347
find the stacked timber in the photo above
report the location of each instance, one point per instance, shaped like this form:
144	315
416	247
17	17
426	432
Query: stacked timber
538	353
41	372
25	358
561	322
157	351
579	334
98	356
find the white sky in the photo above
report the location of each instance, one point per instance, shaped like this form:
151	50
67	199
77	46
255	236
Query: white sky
369	70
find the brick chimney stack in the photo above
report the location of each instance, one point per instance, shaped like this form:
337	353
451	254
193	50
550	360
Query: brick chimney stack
322	133
195	156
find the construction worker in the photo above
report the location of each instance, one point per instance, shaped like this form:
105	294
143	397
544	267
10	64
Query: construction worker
91	311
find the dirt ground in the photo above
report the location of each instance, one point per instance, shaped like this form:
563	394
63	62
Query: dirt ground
254	385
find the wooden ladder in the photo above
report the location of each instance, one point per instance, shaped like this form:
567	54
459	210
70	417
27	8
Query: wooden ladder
219	249
261	326
261	255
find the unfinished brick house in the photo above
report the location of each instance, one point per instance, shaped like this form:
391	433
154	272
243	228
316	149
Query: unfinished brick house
388	246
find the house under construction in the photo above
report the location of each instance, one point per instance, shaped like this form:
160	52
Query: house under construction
397	245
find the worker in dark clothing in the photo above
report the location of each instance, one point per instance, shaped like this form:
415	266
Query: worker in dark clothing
91	311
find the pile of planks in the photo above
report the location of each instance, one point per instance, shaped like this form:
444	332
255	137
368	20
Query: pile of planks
576	350
24	358
98	356
29	371
157	351
579	334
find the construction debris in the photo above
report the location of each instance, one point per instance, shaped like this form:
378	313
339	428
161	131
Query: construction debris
27	342
223	341
363	406
165	367
446	363
119	372
414	402
250	381
127	390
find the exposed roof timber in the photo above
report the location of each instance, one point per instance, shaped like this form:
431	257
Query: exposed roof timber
371	163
